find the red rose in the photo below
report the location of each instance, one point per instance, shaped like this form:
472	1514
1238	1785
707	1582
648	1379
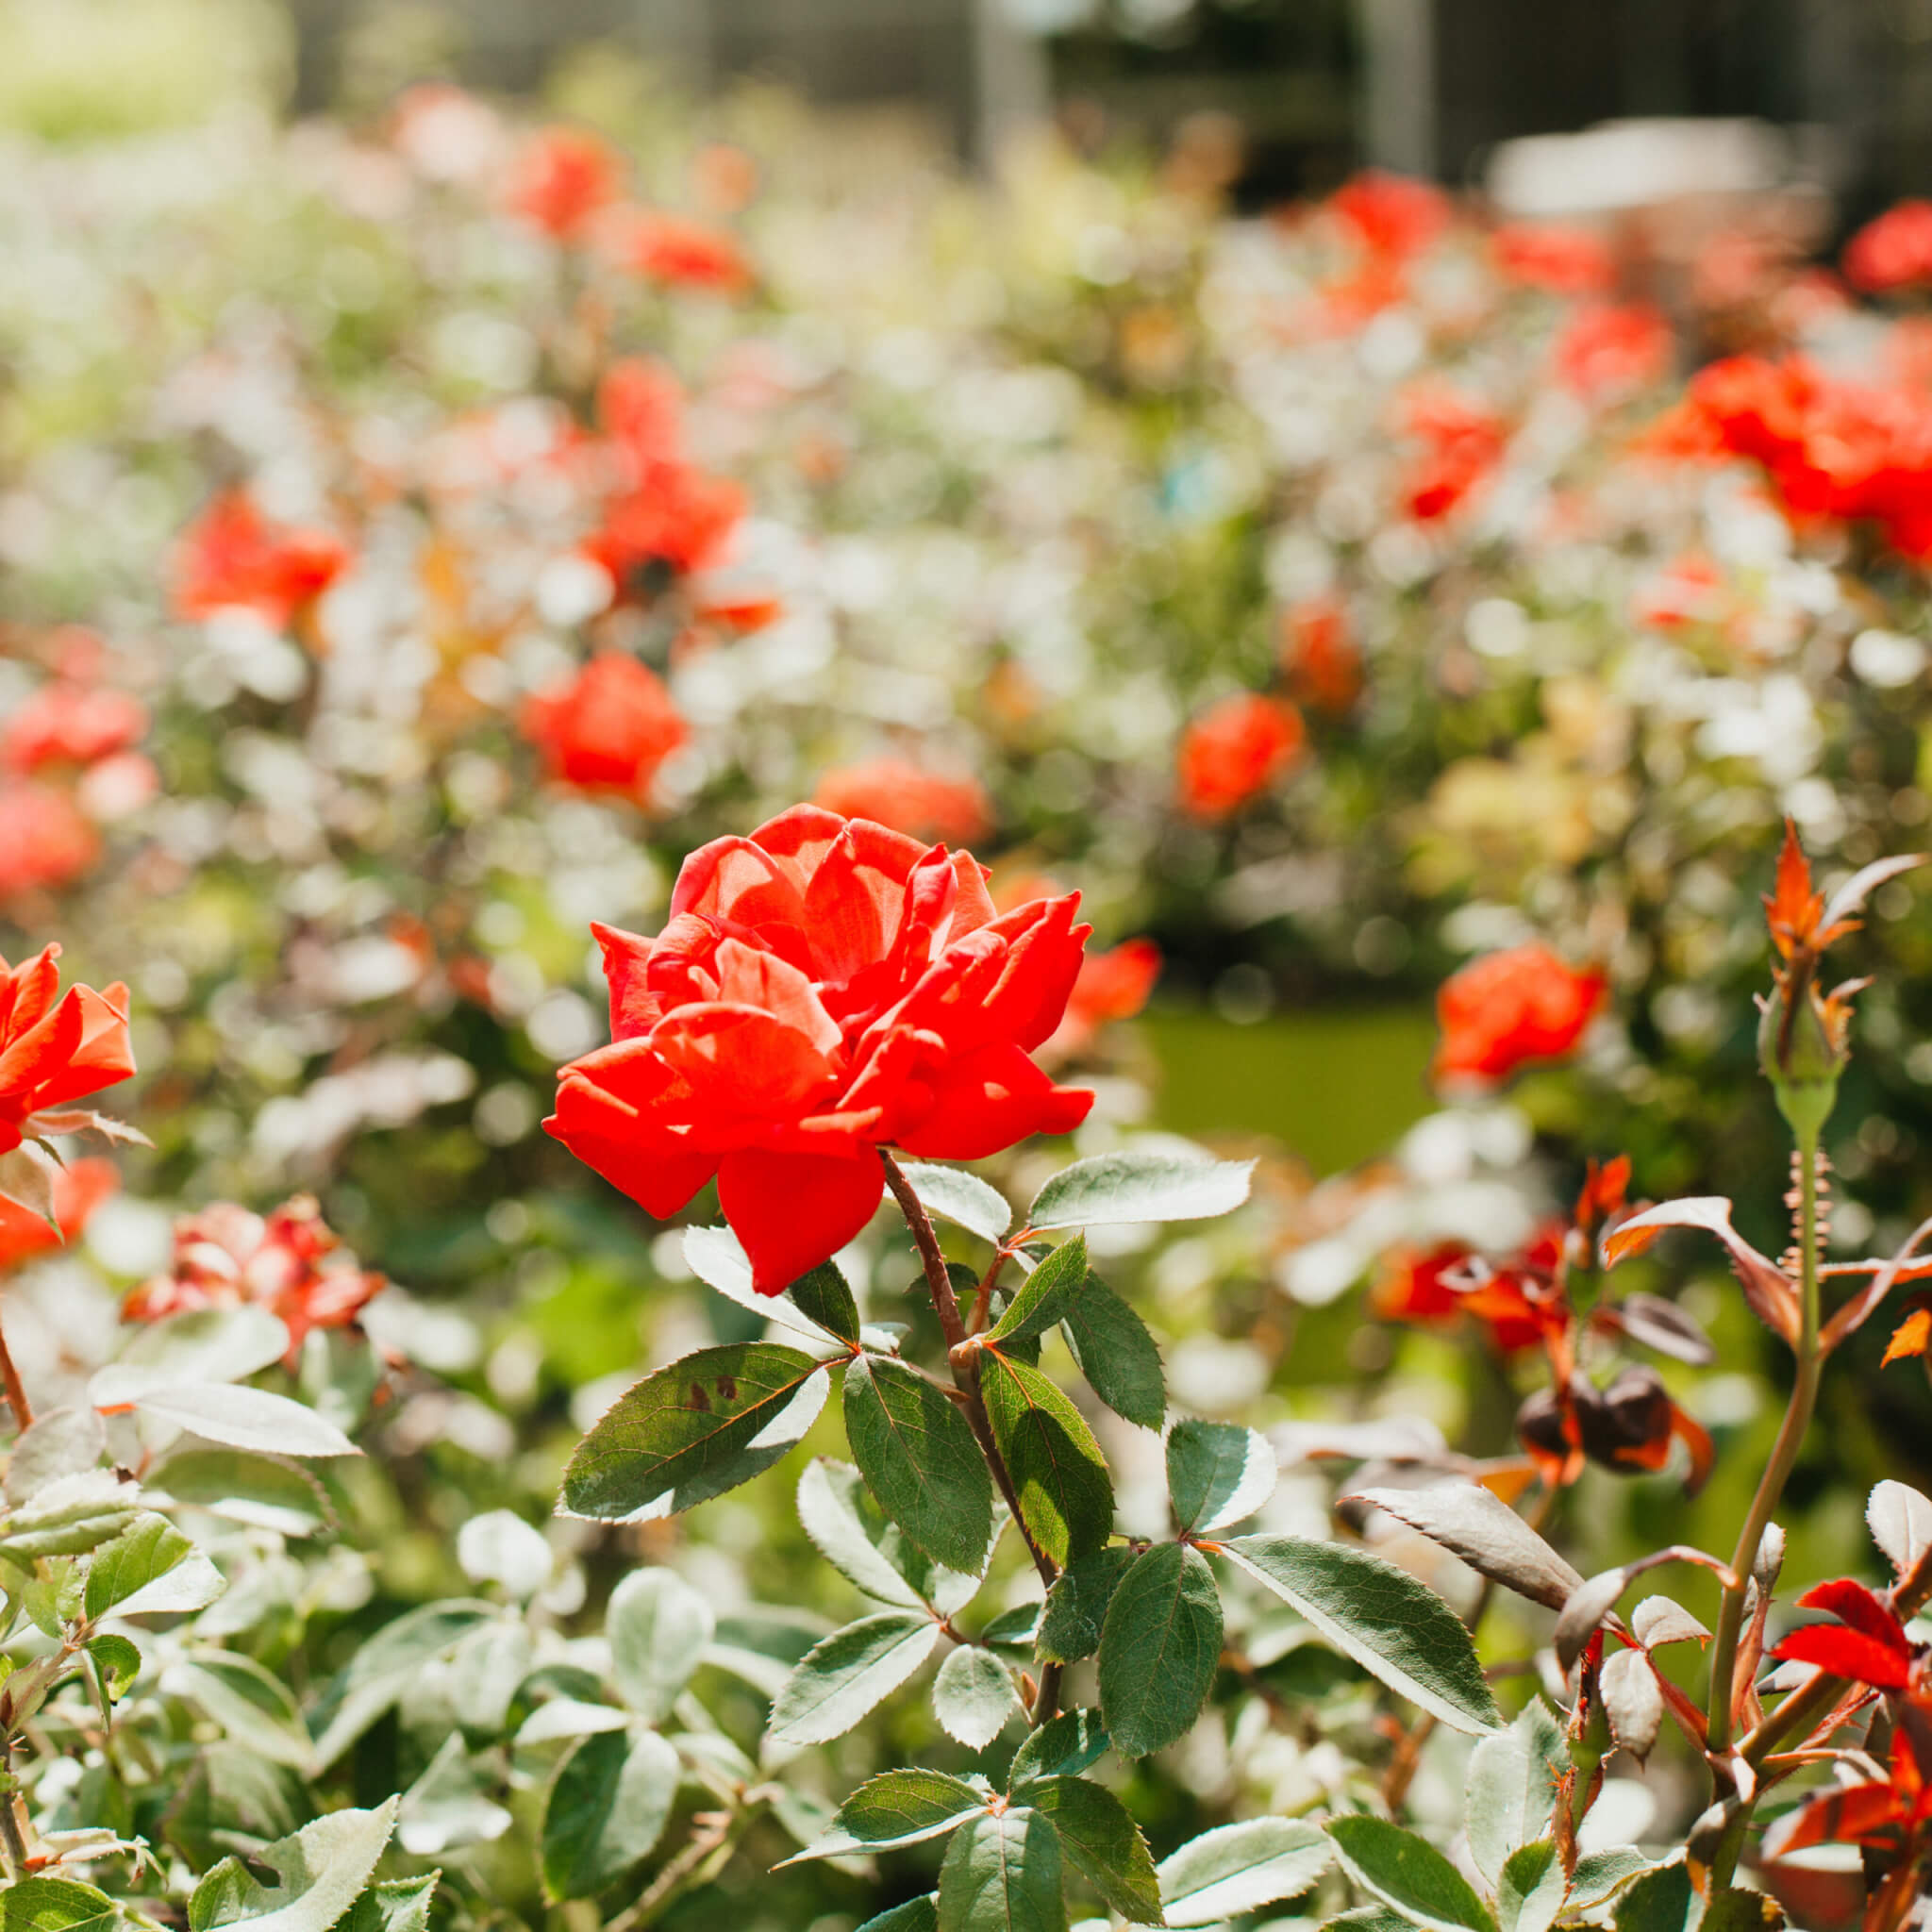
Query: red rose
1892	252
78	1189
234	558
45	839
1113	985
1499	1012
288	1262
608	728
1606	351
55	1049
563	177
909	799
1563	261
823	989
1236	748
671	248
1395	216
67	723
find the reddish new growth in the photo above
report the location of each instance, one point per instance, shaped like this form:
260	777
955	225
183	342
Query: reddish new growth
1524	1303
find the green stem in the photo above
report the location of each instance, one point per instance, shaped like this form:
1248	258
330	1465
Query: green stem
1770	1486
966	1378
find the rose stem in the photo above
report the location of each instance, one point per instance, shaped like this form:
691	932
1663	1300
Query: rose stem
1770	1487
965	1374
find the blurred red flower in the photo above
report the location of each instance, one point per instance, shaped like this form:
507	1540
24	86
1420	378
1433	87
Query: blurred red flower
1319	655
54	1048
661	509
288	1262
896	793
607	728
1561	261
45	839
1236	748
1892	252
676	249
824	988
1462	443
1392	215
1435	1286
1606	352
78	1189
67	723
234	558
1113	985
1509	1007
561	178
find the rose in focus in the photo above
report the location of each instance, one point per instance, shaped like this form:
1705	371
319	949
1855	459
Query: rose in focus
823	988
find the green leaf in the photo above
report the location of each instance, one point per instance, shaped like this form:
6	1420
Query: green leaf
1106	1845
1240	1868
716	1257
118	1661
1062	1747
1600	1875
659	1626
232	1800
70	1516
846	1528
1659	1901
825	1297
1533	1887
1014	1629
54	1905
960	1197
1076	1605
606	1810
839	1679
62	1442
119	1570
974	1697
686	1434
246	1417
1116	1354
394	1904
1140	1187
918	1456
1046	1294
1059	1476
449	1804
388	1664
1217	1474
1410	1873
263	1492
1159	1649
1003	1874
323	1868
897	1807
1512	1788
1367	1919
1396	1628
485	1670
249	1701
915	1915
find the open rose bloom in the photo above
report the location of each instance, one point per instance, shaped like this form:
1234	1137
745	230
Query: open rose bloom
823	988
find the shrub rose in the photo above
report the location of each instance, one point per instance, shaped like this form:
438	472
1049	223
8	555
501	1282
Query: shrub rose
1508	1008
561	178
608	728
67	723
1893	250
289	1262
1560	260
1113	985
897	792
45	839
234	558
672	248
55	1049
1236	748
823	988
